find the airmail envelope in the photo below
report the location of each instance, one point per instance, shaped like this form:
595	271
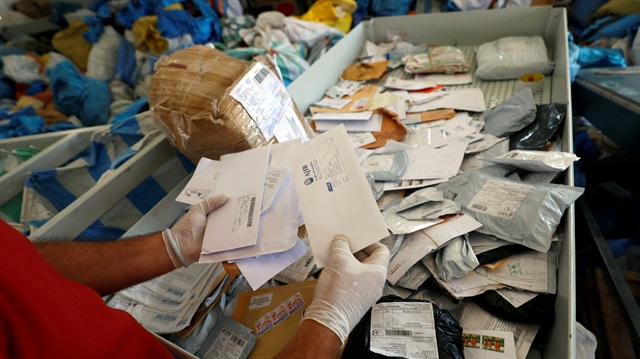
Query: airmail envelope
334	194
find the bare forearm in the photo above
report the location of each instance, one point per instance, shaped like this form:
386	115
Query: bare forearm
109	266
311	340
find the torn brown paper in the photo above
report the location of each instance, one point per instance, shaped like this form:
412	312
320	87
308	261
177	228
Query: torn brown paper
392	129
363	72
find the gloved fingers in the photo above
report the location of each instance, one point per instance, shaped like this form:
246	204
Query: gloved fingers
371	248
378	255
210	204
361	256
340	243
340	250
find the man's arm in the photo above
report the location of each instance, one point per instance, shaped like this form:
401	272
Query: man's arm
312	340
108	267
347	288
111	266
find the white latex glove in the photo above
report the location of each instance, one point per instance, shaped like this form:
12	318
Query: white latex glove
348	287
183	241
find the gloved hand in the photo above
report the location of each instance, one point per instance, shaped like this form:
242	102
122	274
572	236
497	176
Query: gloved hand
348	287
183	241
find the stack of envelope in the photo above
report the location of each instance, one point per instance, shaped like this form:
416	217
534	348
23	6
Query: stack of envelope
268	189
167	304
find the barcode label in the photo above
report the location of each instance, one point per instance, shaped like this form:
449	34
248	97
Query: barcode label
306	264
234	338
252	206
480	207
261	75
517	332
237	340
401	333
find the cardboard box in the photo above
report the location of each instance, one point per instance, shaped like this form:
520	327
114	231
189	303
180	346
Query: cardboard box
253	309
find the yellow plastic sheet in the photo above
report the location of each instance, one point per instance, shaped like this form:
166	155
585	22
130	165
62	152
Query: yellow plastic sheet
147	36
329	12
70	43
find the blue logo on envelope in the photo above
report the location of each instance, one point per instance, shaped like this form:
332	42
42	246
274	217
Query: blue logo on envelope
329	186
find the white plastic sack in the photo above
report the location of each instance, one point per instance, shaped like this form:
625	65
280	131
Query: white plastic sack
512	4
511	57
103	56
586	343
234	8
20	68
466	5
307	32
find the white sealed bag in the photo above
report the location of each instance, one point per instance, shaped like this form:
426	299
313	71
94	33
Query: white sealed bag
510	57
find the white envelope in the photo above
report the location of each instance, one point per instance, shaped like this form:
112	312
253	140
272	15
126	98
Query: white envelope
471	99
419	98
361	138
399	108
408	84
332	103
277	232
235	224
347	116
202	183
272	184
260	269
431	163
445	79
334	194
372	125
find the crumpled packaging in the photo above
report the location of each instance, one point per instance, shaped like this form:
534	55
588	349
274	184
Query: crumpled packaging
438	59
190	98
365	71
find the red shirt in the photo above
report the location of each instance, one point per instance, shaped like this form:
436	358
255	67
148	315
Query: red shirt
46	315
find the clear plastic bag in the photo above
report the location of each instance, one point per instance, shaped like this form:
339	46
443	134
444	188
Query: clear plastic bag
510	57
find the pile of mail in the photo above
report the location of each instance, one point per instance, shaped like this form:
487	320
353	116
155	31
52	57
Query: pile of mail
423	162
472	208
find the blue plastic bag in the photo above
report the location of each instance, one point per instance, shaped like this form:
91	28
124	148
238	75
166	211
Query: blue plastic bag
101	8
611	26
36	87
79	95
383	7
23	122
7	89
574	55
95	29
174	23
201	29
126	66
206	11
601	57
